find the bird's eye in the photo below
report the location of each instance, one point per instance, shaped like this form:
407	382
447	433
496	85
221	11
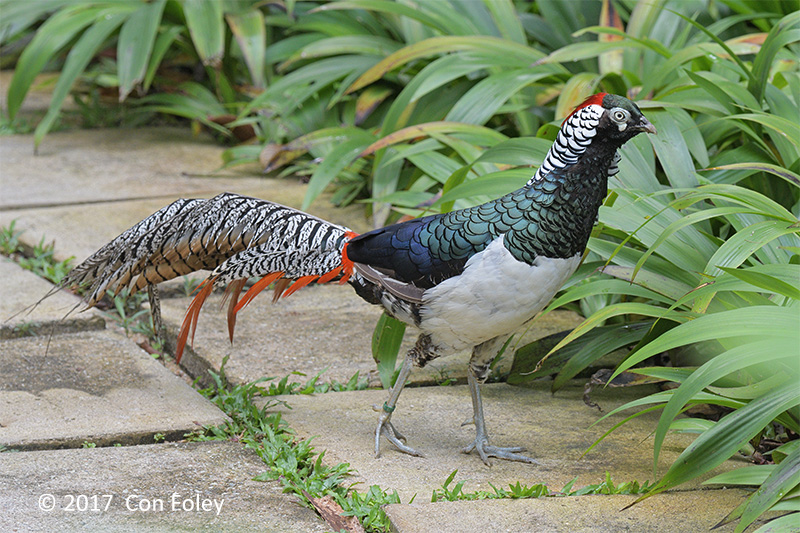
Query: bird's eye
619	115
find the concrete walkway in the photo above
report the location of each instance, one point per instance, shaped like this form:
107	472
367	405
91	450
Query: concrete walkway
81	382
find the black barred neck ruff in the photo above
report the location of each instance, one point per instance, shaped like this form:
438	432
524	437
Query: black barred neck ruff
573	139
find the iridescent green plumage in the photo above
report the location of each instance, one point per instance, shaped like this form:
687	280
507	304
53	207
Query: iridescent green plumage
551	217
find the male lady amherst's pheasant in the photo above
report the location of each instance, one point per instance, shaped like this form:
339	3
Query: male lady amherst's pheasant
467	279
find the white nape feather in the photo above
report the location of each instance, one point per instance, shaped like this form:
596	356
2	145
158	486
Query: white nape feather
494	296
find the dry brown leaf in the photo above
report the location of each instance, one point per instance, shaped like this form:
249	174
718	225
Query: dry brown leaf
331	512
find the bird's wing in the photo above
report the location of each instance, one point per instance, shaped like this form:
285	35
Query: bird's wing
426	251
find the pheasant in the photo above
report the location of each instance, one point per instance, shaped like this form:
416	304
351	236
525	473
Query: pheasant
467	279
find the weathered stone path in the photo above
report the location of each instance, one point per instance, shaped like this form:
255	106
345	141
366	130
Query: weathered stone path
89	383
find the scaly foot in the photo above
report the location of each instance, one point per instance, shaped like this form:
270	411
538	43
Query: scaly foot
385	426
486	450
481	442
387	429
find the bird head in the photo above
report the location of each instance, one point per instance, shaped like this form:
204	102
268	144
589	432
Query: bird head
619	119
596	128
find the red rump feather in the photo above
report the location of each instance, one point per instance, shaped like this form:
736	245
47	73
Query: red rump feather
595	99
347	264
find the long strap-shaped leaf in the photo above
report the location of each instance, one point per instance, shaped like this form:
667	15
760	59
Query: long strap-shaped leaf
716	445
764	351
783	479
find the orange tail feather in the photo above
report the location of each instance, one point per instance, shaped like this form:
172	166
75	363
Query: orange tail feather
325	278
233	291
259	286
347	264
192	314
280	286
299	284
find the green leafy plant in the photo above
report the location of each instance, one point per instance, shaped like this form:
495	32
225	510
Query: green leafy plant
9	239
777	487
227	40
712	270
368	507
515	491
128	311
291	461
190	285
40	260
312	385
607	486
145	327
518	490
26	329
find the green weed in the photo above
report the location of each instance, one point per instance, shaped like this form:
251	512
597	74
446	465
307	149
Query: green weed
26	329
291	461
515	491
127	310
146	328
40	260
368	507
190	285
15	127
9	239
313	385
442	377
607	486
538	490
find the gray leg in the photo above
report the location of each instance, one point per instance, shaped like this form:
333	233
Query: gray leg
385	426
481	442
155	312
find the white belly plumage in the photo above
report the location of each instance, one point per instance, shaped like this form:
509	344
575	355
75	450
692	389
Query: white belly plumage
495	295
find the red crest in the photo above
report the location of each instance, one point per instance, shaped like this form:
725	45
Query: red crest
595	99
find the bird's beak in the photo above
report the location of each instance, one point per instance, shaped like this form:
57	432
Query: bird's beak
646	126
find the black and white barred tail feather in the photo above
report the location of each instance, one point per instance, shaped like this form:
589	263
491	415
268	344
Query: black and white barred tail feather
95	274
235	237
191	235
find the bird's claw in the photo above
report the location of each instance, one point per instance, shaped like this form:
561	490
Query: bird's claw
399	436
486	450
397	439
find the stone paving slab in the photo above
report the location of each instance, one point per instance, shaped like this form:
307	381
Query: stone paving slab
147	476
319	328
21	288
554	429
83	166
95	386
79	230
684	511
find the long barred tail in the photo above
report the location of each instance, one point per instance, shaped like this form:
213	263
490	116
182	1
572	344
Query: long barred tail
236	237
